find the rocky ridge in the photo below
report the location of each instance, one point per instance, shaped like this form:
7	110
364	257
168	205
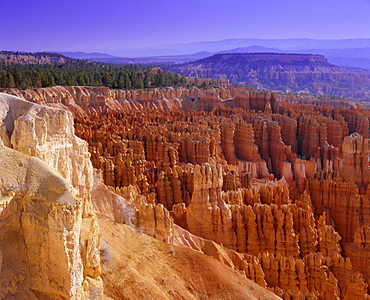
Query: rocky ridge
46	177
50	241
19	58
275	189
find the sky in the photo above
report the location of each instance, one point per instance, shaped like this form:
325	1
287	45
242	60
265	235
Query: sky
94	25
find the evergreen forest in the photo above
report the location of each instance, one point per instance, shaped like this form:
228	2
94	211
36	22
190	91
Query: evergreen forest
85	73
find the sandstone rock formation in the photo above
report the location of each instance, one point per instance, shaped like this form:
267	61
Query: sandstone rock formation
45	199
274	186
51	239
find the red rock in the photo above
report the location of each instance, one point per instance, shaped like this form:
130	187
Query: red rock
279	184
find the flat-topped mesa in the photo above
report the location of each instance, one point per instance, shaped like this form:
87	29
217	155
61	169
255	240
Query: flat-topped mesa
276	71
281	57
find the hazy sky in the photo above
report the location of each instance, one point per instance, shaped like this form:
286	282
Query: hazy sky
94	25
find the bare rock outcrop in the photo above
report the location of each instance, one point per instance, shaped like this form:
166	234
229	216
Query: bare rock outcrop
43	204
274	186
355	164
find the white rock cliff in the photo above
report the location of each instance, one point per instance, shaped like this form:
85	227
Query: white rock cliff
46	177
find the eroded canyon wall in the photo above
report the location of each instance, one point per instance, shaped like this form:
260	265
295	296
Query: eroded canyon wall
46	177
282	186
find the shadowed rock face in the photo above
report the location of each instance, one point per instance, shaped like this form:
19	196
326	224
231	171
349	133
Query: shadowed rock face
294	72
273	188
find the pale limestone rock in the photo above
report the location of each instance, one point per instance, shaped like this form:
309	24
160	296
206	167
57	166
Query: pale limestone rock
42	206
48	134
41	218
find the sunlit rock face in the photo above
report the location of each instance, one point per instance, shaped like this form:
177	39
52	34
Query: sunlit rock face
273	186
46	177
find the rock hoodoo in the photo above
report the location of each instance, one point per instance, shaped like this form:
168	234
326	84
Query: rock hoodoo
273	186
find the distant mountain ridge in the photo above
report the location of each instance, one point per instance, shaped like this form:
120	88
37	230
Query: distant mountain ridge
344	52
167	59
86	55
346	57
293	58
293	44
281	71
253	49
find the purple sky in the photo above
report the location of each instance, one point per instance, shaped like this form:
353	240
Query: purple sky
94	25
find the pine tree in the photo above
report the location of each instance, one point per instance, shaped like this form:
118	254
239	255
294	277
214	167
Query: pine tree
121	82
183	80
128	83
146	79
11	82
3	79
204	84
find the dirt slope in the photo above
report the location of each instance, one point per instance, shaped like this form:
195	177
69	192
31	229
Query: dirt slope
136	266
